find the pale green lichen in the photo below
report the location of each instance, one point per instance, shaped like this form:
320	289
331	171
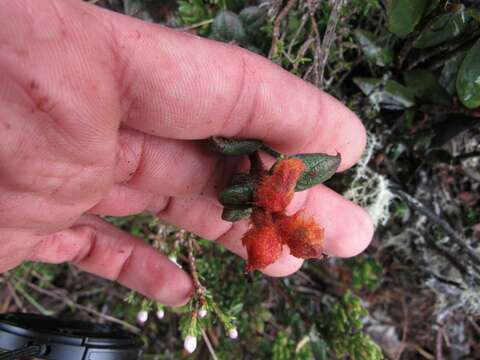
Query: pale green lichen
370	189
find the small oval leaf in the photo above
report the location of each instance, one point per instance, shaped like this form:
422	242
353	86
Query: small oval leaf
425	86
404	15
449	73
241	194
234	147
227	27
389	94
252	18
233	215
372	48
318	168
468	79
444	28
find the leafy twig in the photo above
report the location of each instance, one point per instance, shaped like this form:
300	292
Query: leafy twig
329	37
276	26
70	302
443	224
200	290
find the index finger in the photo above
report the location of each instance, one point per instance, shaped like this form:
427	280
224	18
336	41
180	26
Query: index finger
180	86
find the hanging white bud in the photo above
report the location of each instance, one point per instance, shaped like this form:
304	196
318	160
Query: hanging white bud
202	312
142	317
190	343
174	260
233	333
160	314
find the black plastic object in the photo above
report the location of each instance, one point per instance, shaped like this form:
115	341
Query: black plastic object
50	338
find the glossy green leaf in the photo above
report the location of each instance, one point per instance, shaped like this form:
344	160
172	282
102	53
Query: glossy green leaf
234	195
252	18
318	168
468	78
388	94
372	48
449	73
233	215
425	86
227	27
234	147
404	15
444	28
474	13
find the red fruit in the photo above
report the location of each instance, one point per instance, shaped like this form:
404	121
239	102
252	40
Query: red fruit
301	234
274	192
263	246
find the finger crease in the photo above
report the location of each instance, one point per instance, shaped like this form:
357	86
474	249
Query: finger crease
240	94
85	252
140	163
125	263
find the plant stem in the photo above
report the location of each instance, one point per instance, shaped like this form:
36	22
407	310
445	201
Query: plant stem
271	152
200	290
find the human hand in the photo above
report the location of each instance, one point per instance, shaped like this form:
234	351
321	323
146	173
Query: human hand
99	115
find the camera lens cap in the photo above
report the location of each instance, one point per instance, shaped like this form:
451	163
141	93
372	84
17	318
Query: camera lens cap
67	339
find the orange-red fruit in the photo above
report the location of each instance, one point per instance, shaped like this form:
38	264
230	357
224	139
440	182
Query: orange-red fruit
263	246
302	235
275	191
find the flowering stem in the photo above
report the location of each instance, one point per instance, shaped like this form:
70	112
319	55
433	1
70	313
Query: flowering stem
200	290
272	152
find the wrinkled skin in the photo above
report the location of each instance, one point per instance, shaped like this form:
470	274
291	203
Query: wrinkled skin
99	115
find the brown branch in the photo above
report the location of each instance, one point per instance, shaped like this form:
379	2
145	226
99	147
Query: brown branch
277	24
438	345
438	109
200	290
72	303
329	37
441	223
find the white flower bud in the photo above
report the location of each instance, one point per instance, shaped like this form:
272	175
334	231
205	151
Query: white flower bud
190	343
160	314
174	260
142	317
202	312
233	333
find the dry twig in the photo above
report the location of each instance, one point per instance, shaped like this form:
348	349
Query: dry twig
328	38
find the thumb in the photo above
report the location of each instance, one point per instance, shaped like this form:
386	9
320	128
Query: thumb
100	248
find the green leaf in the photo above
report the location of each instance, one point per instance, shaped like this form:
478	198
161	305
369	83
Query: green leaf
404	15
227	27
372	48
318	168
235	195
234	215
449	73
474	13
234	147
252	18
444	28
468	79
388	93
425	86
